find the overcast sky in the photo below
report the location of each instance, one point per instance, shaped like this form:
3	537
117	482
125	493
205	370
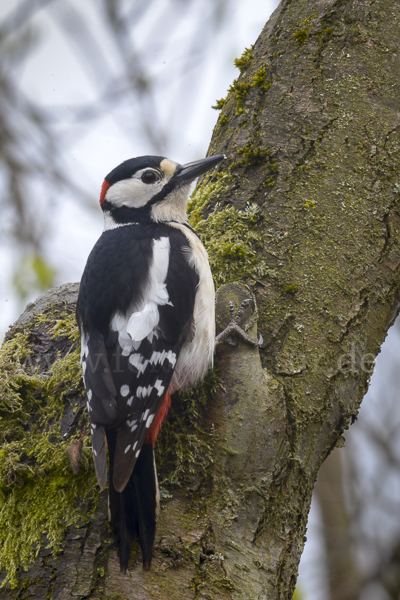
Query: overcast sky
56	76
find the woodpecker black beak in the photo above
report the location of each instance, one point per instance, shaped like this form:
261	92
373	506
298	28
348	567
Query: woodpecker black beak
186	173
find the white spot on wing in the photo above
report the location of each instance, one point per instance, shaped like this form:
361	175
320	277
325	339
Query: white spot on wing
149	420
89	394
84	345
124	391
127	448
141	323
138	361
118	324
159	387
159	357
132	424
143	392
171	357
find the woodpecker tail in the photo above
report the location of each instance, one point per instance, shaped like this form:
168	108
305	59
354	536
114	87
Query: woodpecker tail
133	512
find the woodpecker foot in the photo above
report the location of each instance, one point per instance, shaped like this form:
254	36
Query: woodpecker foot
234	328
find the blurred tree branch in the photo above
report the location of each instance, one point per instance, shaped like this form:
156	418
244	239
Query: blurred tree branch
118	62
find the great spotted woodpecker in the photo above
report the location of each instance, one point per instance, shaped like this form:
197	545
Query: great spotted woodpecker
146	316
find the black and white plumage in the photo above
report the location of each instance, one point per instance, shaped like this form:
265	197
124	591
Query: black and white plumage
146	316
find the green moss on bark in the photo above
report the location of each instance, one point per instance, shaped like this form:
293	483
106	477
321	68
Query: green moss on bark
229	235
39	495
244	61
184	448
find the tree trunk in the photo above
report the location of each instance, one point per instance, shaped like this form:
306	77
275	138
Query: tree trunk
304	212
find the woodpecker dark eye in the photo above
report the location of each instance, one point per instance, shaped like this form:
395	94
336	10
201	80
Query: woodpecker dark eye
149	177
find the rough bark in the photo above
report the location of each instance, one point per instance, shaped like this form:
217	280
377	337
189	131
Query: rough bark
318	150
311	132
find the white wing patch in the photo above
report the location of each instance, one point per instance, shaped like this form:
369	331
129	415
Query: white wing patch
133	328
119	323
143	322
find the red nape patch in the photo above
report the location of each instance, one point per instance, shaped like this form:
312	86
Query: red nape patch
103	192
158	421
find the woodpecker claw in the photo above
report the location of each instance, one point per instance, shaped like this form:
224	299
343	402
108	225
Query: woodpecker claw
234	328
231	310
245	303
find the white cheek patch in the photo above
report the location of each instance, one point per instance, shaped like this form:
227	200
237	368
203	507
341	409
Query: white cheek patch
173	207
132	192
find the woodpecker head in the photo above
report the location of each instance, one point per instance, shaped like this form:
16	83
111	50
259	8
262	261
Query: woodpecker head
150	189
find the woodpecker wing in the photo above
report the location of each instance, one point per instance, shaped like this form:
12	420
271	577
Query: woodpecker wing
101	397
98	379
144	317
147	348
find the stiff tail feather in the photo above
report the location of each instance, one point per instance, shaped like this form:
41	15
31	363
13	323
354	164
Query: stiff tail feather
134	511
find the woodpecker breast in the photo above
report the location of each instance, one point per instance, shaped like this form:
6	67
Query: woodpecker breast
197	354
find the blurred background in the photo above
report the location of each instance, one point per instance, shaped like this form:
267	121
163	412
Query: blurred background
86	85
